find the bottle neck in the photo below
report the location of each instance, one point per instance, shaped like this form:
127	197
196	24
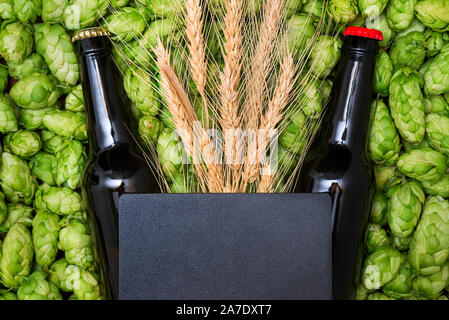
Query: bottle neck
108	121
351	110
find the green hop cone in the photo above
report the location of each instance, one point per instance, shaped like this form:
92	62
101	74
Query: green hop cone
83	283
66	124
45	237
375	237
401	285
383	73
404	207
372	8
44	166
27	10
81	14
287	161
379	209
7	10
17	256
76	242
407	104
51	142
400	13
17	183
325	55
58	275
292	138
118	3
35	91
52	10
125	24
16	42
437	129
183	183
383	143
8	121
33	64
436	104
381	23
75	100
36	287
343	11
439	187
409	50
379	296
381	267
170	153
401	243
362	292
429	245
434	14
415	26
62	201
422	164
432	286
31	119
312	98
434	42
150	128
17	213
300	31
23	143
3	78
437	76
8	296
54	44
141	91
71	160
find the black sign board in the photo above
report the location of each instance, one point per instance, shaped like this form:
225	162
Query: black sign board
225	246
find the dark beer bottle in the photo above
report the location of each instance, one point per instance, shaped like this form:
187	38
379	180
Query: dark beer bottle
116	164
337	163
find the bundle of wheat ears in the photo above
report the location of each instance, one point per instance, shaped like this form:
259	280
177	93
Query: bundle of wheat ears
230	143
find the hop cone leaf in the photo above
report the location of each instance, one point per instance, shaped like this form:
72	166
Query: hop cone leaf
404	208
54	44
36	287
383	142
17	256
62	201
76	242
45	237
429	246
381	267
407	104
422	164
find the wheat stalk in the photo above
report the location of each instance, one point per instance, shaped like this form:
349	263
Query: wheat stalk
274	112
197	49
257	89
230	118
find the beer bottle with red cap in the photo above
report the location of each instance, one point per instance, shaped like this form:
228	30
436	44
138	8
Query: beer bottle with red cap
337	163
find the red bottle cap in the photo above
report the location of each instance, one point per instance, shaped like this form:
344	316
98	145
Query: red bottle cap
364	32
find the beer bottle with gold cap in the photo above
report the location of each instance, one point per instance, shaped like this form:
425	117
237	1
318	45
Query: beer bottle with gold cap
116	164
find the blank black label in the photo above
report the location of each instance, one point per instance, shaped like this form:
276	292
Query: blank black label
225	246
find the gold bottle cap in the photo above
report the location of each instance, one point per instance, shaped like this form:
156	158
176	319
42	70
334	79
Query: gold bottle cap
90	33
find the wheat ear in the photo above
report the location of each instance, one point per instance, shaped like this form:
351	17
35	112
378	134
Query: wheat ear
178	104
275	109
256	86
197	58
230	119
